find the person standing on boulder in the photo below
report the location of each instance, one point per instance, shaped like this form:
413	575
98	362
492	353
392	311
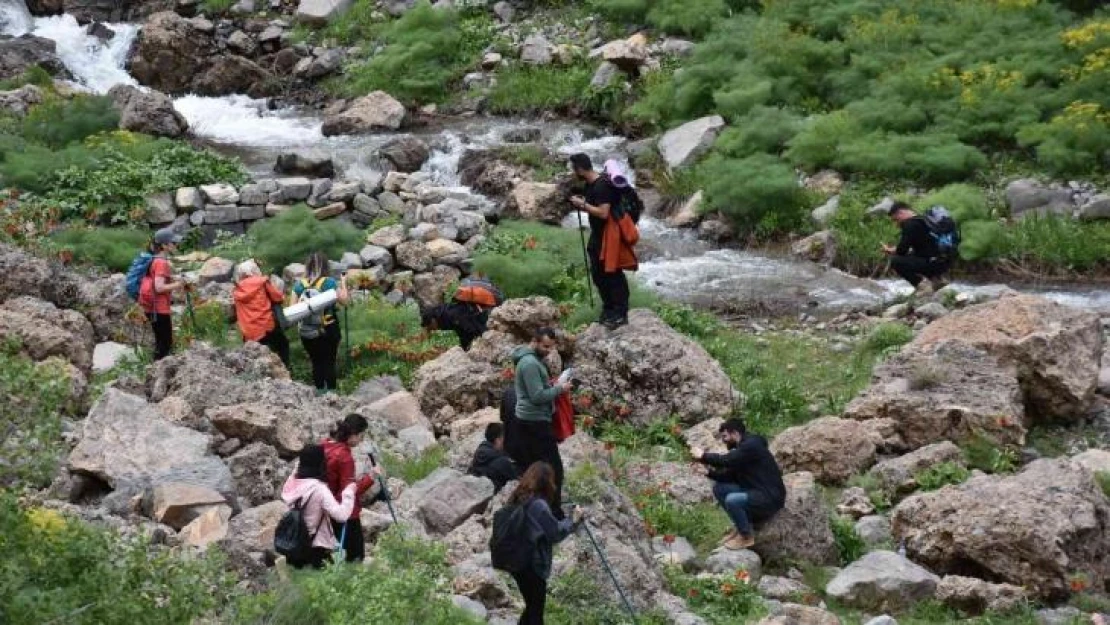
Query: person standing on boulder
157	289
917	257
320	333
597	200
255	297
341	474
534	434
747	481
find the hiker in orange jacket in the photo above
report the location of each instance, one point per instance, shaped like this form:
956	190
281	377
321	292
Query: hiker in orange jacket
255	297
609	250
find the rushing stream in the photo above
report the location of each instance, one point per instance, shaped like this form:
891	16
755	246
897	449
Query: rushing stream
677	264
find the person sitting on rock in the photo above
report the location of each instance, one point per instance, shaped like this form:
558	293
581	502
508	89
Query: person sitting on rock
747	481
467	321
533	431
255	297
307	488
917	258
490	460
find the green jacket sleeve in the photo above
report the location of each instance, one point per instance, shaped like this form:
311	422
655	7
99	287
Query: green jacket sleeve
536	387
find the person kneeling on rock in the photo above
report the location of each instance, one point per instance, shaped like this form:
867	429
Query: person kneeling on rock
747	481
490	460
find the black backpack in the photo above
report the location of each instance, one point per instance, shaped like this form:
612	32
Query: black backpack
943	229
510	544
292	538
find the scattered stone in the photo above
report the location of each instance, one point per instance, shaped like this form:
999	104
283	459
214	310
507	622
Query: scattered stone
855	504
931	311
794	614
1096	208
160	209
216	269
150	112
783	589
688	215
375	111
975	596
389	237
413	255
682	145
538	201
329	211
896	475
883	580
220	193
406	154
208	528
446	498
106	356
258	473
296	164
823	214
177	504
19	101
819	247
537	50
875	531
1028	197
831	448
677	552
320	12
728	561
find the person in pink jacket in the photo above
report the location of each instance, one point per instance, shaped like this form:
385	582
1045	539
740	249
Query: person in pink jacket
308	485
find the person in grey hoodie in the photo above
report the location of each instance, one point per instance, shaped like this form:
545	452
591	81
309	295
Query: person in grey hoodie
535	398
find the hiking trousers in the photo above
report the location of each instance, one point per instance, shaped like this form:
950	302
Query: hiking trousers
162	325
914	269
613	289
278	343
534	590
323	352
535	442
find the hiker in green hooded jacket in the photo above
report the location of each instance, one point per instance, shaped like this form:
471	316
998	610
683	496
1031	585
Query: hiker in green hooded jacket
535	405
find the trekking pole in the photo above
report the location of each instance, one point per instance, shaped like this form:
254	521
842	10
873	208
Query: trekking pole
189	308
341	550
585	257
609	570
385	489
346	343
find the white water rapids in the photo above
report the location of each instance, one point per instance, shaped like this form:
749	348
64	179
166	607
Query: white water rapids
678	265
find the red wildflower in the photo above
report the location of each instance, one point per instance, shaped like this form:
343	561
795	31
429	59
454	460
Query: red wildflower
727	588
743	576
693	592
668	539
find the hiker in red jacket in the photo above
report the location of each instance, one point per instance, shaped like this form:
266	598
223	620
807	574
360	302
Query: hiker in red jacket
341	472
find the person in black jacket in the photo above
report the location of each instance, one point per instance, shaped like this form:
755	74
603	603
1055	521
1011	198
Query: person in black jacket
467	321
747	481
490	460
916	258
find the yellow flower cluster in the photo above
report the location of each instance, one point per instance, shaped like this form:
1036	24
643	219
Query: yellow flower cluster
891	25
1094	63
46	521
1082	115
974	82
1082	36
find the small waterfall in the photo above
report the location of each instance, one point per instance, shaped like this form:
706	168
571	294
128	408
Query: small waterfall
96	65
15	19
240	120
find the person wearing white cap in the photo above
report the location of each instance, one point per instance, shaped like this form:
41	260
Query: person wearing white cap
156	292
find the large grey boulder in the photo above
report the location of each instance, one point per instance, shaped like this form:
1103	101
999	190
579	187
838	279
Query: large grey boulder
882	581
286	429
43	330
800	532
170	52
150	112
446	498
681	146
1056	349
896	475
1036	529
406	154
17	54
538	201
1095	209
1026	197
944	391
831	448
653	368
376	111
455	381
258	473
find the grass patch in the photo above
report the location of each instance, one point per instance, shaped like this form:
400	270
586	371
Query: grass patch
983	454
573	600
412	470
702	524
719	600
523	89
871	484
111	248
941	475
387	340
294	234
545	166
216	7
1103	479
849	546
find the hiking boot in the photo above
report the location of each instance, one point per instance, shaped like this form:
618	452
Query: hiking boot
938	283
613	324
739	542
924	289
732	533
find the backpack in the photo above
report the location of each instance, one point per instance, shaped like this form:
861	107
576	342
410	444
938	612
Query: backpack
479	291
510	543
312	326
292	538
943	229
631	203
139	269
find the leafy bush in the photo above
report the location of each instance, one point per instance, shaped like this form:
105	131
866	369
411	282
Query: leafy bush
426	51
65	571
386	339
887	337
983	454
412	470
719	600
111	248
759	192
940	475
966	202
216	7
294	234
58	122
33	399
33	75
526	259
405	581
527	89
849	545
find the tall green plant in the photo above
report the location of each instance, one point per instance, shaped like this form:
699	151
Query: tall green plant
294	234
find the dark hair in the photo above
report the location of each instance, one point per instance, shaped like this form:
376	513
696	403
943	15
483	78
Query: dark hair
349	426
897	206
431	315
316	266
544	333
494	431
581	162
537	481
734	425
311	463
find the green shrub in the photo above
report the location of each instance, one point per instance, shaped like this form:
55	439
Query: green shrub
426	52
58	122
887	338
61	570
759	192
405	581
1103	478
1076	141
574	600
849	545
294	234
702	524
386	339
983	454
33	75
940	475
1053	244
33	399
216	7
718	600
763	129
412	470
111	248
527	89
693	18
966	202
526	259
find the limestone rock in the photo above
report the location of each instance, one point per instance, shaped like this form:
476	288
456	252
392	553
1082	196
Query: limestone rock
874	530
177	504
801	530
216	269
678	480
149	112
782	588
1028	197
287	430
388	237
453	379
258	473
831	448
539	201
414	255
1096	460
253	530
406	154
521	317
794	614
1095	209
1056	349
1014	529
947	391
446	498
688	214
208	528
44	330
19	101
897	474
430	288
107	355
681	146
658	371
819	247
220	193
376	111
677	552
975	596
537	50
884	581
